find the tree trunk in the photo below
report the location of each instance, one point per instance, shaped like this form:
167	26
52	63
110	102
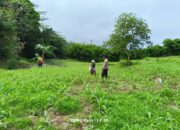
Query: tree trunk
43	55
42	49
128	55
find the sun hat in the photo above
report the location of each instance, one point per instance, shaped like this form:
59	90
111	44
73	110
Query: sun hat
93	61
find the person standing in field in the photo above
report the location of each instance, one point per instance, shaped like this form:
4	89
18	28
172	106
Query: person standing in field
40	61
93	68
105	67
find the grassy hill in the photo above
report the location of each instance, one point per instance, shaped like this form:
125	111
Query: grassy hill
63	95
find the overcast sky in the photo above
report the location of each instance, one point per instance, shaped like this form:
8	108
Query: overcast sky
93	20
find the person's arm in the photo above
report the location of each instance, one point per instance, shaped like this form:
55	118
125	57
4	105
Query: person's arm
103	64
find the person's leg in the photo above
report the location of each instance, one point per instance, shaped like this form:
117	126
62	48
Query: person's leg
106	73
94	72
39	65
102	73
91	71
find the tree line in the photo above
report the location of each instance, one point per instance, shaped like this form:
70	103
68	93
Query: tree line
87	52
21	30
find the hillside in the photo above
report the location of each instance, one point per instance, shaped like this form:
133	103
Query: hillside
64	95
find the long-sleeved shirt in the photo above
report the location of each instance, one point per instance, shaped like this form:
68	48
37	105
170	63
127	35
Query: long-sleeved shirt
105	65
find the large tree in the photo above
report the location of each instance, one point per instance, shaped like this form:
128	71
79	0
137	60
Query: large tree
8	39
27	21
130	33
21	16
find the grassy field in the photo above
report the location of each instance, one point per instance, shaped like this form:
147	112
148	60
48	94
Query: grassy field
63	95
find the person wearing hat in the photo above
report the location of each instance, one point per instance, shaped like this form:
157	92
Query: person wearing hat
93	68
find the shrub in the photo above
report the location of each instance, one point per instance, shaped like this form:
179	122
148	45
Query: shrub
87	52
12	63
23	64
124	63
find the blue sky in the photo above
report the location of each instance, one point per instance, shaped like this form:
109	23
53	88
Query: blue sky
93	20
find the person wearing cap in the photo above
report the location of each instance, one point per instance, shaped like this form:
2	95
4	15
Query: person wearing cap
93	68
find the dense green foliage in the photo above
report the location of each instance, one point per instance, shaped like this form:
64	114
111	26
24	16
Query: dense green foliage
24	21
85	52
44	49
21	31
132	97
52	38
7	31
27	22
172	47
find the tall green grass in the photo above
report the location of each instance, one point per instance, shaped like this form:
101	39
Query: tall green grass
142	96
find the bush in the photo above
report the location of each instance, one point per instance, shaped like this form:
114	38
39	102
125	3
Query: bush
87	52
12	63
23	64
124	63
172	47
154	51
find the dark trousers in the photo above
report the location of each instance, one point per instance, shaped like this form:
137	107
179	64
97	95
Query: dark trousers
104	73
40	64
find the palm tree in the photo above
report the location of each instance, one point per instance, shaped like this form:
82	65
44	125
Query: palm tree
45	49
